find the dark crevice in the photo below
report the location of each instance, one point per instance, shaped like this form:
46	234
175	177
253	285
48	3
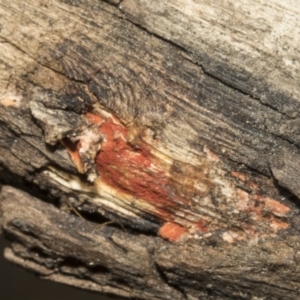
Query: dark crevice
95	220
165	279
289	141
12	238
26	186
110	2
132	226
229	85
161	38
118	245
75	263
286	194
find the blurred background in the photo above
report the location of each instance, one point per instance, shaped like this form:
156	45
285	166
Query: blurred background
17	283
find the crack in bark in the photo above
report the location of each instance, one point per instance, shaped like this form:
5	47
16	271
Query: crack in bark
165	279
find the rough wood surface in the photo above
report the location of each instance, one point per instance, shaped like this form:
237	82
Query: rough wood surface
177	121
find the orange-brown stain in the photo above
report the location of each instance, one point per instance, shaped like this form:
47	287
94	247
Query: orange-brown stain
73	149
211	155
239	176
172	231
201	226
272	206
131	167
9	102
263	210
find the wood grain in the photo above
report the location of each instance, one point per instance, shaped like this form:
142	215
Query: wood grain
177	120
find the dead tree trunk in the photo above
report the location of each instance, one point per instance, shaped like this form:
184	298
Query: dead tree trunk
174	124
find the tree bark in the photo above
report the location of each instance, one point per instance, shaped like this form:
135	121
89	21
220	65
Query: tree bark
150	149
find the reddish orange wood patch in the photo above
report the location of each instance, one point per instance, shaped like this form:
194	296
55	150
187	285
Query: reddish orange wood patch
73	149
188	198
133	169
172	231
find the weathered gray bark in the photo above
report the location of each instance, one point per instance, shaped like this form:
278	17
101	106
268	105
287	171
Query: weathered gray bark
174	121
